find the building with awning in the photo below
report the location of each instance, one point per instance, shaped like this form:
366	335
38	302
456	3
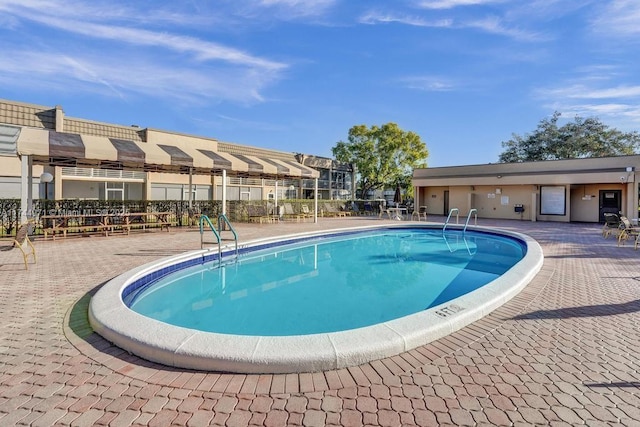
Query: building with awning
94	160
180	155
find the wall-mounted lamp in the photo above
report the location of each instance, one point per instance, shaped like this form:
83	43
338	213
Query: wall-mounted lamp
499	176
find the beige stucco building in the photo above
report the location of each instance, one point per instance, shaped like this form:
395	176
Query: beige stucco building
579	190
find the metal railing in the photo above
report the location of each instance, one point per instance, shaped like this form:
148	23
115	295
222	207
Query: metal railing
203	219
457	211
472	211
222	220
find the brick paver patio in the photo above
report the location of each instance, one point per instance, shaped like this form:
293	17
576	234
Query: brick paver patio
563	352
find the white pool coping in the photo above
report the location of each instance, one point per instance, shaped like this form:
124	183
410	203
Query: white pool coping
187	348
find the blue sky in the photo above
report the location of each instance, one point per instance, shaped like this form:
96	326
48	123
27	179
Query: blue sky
295	75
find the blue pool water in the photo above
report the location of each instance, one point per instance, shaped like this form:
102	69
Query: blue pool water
328	284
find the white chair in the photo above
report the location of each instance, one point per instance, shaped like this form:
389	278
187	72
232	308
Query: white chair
420	213
383	212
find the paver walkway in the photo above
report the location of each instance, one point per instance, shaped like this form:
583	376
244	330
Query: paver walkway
563	352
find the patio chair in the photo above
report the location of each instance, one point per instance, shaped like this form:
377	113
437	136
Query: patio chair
289	213
258	213
420	213
383	212
22	242
627	231
355	209
368	209
306	212
332	211
611	225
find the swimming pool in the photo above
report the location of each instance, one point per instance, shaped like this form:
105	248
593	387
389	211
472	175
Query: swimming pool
239	347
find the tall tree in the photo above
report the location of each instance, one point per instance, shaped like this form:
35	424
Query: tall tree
384	156
577	139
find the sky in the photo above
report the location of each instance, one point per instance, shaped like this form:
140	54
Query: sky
296	75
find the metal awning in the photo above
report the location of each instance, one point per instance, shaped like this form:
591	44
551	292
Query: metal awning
70	149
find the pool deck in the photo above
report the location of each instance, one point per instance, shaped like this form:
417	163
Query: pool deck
564	351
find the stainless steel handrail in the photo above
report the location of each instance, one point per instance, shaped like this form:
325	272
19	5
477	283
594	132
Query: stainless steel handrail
223	219
203	219
457	211
216	232
472	211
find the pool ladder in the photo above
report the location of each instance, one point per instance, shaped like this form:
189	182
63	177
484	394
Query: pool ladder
222	220
457	211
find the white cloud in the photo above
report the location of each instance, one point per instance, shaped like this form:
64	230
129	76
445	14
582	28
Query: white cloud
203	50
450	4
428	83
491	25
175	65
108	75
618	18
377	17
582	91
622	116
284	10
596	90
303	7
495	25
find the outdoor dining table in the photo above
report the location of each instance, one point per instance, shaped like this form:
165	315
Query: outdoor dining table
397	213
147	218
103	222
56	224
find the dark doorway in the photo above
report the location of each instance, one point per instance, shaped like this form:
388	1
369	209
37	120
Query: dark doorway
610	202
446	203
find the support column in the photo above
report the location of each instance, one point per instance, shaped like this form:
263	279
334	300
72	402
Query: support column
353	183
57	184
224	191
190	197
30	188
534	206
315	202
275	195
331	181
24	185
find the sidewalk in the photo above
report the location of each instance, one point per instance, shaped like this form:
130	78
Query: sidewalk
563	352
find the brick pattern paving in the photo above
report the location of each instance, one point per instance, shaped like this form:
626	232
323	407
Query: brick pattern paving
563	352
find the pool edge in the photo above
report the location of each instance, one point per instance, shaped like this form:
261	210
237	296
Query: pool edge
180	347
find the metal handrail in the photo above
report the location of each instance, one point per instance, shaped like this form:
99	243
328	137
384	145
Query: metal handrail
472	211
204	218
457	211
223	219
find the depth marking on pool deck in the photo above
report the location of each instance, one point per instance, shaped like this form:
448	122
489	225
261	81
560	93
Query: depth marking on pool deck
449	310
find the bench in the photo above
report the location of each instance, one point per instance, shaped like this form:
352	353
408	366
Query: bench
258	213
82	228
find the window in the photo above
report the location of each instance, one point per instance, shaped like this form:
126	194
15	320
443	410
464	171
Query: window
553	200
114	190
